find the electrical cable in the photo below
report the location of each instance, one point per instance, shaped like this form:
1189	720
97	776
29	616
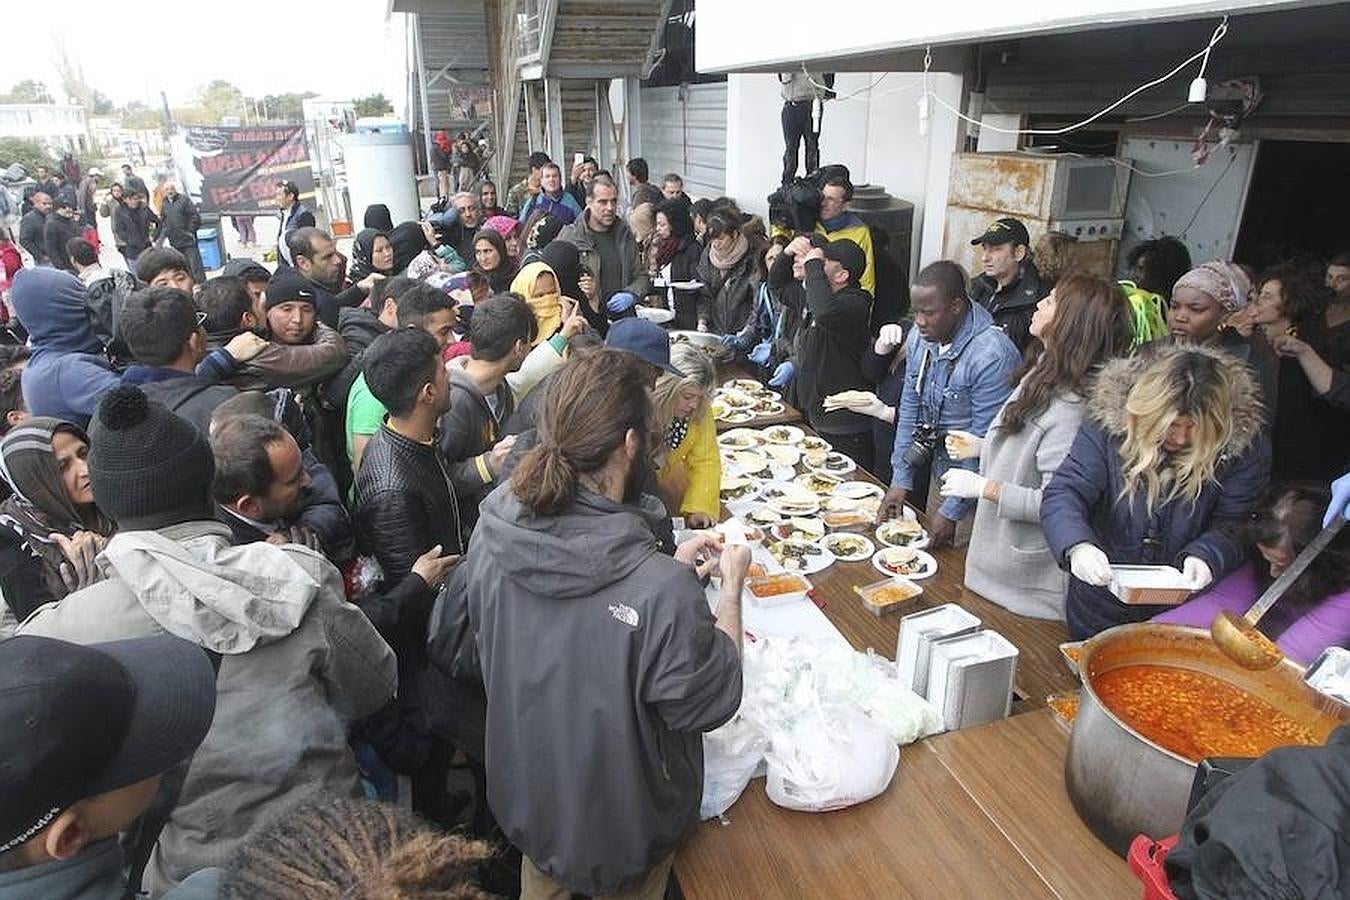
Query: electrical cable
820	87
1161	115
1232	157
1214	39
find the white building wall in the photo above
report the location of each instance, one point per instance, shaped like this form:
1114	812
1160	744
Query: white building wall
874	132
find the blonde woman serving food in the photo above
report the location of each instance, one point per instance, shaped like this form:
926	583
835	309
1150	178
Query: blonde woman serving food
1167	468
688	461
1081	324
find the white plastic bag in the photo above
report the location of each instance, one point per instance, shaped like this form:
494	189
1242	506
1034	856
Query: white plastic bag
850	763
731	756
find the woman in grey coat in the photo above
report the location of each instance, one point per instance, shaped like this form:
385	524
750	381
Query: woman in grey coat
1081	324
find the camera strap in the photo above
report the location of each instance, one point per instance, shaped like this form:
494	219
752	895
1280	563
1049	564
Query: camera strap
921	381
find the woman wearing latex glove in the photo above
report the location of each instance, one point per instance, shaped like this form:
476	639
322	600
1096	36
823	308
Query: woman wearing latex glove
1166	472
1089	565
1082	323
890	336
782	375
1340	500
620	303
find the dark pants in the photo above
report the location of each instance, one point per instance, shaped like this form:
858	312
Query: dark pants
194	260
797	125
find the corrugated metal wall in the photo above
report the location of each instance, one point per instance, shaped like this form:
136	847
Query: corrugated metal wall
688	136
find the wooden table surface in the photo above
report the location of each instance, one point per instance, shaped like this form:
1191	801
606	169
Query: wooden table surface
979	813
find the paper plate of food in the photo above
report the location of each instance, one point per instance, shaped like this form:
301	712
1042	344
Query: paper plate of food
858	490
763	393
848	547
782	454
762	516
789	499
740	439
746	462
736	399
907	562
784	434
735	416
799	528
658	314
744	385
902	533
734	531
738	488
849	519
811	443
820	485
832	463
800	556
768	407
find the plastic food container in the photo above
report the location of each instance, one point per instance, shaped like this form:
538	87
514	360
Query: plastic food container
881	597
776	590
1149	585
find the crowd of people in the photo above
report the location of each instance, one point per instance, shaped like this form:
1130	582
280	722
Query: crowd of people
279	548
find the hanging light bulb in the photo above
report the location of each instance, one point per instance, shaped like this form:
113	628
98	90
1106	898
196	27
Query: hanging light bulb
924	112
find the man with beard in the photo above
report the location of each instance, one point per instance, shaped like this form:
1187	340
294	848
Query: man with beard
33	227
315	256
612	661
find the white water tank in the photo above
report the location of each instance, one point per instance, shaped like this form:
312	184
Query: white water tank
380	170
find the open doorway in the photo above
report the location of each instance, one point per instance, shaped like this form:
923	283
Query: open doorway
1296	205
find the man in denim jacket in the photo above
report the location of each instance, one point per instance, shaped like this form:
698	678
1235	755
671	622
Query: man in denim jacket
958	374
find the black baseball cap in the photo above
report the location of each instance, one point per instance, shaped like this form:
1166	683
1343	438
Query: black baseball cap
247	269
849	255
1004	231
646	339
78	721
287	286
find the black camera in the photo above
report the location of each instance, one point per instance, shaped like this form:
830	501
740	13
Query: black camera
796	206
920	450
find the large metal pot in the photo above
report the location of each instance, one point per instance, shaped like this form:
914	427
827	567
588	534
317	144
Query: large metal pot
1123	784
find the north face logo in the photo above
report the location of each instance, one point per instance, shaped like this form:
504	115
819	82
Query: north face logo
625	614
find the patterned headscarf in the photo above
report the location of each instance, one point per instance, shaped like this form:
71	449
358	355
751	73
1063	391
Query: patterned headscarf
1226	282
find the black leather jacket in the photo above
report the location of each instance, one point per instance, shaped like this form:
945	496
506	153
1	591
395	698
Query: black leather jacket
404	503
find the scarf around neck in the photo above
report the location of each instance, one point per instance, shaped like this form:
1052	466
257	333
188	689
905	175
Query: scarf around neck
739	247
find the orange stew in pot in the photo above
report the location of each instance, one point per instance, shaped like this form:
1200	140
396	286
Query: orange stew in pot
1196	715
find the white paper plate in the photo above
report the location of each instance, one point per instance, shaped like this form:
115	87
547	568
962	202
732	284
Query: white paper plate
815	442
918	543
655	314
744	385
857	490
740	439
783	434
827	483
831	541
762	509
751	494
926	560
736	416
815	562
846	464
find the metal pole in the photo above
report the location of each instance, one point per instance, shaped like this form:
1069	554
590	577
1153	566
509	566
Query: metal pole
422	88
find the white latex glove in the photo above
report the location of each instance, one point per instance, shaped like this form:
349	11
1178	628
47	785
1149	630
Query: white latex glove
890	337
1089	564
1197	572
962	483
963	445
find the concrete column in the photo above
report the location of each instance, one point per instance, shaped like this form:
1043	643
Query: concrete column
632	117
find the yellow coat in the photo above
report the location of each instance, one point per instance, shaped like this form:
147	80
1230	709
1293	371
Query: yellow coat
860	235
697	464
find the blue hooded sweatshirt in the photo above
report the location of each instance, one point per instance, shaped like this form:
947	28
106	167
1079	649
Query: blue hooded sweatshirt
67	372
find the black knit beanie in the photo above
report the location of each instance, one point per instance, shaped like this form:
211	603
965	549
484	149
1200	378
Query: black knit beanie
148	468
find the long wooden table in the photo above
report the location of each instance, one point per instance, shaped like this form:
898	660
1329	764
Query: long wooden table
979	813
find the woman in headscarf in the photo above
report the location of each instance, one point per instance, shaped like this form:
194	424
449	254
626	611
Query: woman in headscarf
377	216
538	284
539	231
1204	310
509	229
493	260
372	251
408	239
50	528
575	283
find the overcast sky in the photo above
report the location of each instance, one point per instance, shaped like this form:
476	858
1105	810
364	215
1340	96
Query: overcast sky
133	49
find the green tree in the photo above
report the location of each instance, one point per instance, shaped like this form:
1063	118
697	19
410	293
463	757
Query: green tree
103	106
30	90
29	154
217	100
139	116
374	105
285	107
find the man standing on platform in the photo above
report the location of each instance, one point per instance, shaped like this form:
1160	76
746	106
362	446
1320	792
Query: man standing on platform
958	374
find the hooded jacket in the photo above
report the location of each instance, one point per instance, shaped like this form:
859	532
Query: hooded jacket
468	431
55	234
187	396
601	672
67	372
1082	502
1013	305
298	661
133	228
179	221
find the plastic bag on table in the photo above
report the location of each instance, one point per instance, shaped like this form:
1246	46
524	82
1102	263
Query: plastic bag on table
825	768
731	756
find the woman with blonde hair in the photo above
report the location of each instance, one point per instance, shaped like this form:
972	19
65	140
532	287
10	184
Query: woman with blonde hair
688	462
1080	325
1171	462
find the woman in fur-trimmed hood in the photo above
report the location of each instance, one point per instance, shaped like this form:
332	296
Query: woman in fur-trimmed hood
1171	460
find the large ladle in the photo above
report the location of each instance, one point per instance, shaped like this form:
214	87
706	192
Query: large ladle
1237	636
